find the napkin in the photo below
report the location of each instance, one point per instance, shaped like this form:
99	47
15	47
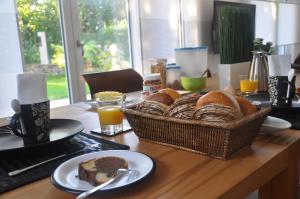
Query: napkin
279	65
32	88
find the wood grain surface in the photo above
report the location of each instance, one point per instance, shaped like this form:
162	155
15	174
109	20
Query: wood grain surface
270	164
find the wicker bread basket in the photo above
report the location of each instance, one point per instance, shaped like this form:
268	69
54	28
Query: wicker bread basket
217	140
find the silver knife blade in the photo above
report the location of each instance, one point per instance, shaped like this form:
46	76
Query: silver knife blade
93	190
18	171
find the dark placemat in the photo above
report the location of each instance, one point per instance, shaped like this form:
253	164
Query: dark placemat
126	128
22	158
290	114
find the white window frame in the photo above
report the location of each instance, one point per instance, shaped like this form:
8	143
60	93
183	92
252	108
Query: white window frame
135	35
73	50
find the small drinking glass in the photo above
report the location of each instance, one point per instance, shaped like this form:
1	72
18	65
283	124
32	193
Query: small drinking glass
248	86
110	115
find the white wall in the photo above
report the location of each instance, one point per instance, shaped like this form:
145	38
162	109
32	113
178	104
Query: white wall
265	21
10	56
288	24
197	18
278	23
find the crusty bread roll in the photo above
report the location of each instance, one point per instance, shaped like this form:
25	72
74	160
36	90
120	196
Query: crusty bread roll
183	107
161	97
217	113
173	93
229	89
98	171
218	97
190	98
152	107
245	106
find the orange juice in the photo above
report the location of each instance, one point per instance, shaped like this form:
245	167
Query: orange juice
248	85
110	115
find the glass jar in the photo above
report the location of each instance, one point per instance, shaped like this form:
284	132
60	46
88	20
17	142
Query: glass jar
173	76
151	84
159	66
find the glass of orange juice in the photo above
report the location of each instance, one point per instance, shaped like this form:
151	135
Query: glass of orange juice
247	85
110	115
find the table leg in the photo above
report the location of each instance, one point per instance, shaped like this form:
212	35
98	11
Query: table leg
285	184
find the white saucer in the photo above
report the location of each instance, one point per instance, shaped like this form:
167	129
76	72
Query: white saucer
274	124
65	177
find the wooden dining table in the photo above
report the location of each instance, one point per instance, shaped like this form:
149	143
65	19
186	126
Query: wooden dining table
269	165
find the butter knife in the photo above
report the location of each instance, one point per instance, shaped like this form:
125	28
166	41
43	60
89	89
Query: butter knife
18	171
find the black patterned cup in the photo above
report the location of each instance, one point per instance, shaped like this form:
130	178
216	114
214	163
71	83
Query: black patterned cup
280	95
32	123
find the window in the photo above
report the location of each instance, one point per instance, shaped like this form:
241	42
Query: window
104	31
159	30
103	36
42	46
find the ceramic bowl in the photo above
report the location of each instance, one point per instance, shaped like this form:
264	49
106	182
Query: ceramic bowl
193	83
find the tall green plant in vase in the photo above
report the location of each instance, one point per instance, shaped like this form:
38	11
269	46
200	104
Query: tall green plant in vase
236	34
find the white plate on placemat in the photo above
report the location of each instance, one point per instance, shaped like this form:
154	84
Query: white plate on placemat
65	177
274	124
127	102
60	130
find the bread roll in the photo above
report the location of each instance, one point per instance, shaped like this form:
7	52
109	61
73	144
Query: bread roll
245	106
217	113
218	97
229	89
190	98
161	97
152	107
183	107
171	92
184	111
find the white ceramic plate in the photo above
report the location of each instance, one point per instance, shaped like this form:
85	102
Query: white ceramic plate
127	102
274	124
65	175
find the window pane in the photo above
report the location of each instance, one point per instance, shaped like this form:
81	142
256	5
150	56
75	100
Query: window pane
42	47
159	30
104	32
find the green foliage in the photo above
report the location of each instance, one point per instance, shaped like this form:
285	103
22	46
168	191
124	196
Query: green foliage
103	23
236	34
261	47
97	58
38	16
58	57
57	87
30	52
96	14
